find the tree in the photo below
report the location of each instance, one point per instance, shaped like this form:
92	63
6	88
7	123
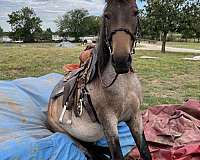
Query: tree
147	31
47	35
1	31
72	23
78	23
92	25
195	14
164	16
24	24
189	25
37	35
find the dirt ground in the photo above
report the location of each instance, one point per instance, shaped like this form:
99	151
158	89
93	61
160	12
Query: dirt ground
157	47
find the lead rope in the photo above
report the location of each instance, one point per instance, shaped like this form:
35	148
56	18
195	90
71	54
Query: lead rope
99	72
103	83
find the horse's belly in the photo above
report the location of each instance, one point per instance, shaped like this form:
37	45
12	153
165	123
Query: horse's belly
84	129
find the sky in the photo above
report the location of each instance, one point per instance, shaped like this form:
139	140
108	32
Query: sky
49	10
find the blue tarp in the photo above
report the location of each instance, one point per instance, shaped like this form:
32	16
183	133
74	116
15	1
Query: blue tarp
23	123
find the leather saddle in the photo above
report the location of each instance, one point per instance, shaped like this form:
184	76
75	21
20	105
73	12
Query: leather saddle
73	88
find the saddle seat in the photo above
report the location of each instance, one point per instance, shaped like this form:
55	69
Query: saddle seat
73	87
84	56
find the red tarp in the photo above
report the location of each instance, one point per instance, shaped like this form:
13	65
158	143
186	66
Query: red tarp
173	131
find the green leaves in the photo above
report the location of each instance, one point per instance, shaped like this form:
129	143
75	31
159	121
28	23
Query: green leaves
164	16
24	24
190	20
77	23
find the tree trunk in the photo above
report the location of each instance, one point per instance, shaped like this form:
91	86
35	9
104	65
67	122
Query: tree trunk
164	39
186	39
76	38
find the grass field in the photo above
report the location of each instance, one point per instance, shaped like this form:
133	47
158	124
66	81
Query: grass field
165	80
184	45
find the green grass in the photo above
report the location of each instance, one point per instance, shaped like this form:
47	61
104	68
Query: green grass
34	59
165	80
189	45
168	79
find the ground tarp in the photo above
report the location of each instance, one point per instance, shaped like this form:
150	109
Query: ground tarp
24	133
173	131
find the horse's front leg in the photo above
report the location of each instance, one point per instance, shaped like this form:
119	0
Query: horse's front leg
109	124
136	126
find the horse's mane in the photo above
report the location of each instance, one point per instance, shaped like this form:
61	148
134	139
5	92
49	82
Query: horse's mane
103	53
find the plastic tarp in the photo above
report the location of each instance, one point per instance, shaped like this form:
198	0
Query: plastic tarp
24	132
173	131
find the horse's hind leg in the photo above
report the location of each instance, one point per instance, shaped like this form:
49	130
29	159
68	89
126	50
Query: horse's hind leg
136	127
109	124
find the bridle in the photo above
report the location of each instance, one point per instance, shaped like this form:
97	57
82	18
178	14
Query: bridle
108	40
134	35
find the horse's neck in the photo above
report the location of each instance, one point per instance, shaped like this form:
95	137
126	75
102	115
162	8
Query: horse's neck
127	82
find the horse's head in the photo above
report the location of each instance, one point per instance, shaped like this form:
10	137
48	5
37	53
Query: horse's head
120	24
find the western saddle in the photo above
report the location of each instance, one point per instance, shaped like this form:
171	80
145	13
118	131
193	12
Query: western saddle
74	91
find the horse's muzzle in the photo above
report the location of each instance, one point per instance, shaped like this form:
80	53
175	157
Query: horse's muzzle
122	64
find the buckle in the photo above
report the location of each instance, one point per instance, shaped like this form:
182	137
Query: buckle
80	107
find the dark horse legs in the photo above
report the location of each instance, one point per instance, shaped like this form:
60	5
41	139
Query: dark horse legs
111	133
135	125
95	152
109	124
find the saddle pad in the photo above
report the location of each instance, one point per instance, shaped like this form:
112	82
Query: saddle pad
24	132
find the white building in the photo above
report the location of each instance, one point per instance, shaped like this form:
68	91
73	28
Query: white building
89	38
56	38
5	39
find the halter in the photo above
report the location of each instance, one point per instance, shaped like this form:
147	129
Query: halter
121	29
134	36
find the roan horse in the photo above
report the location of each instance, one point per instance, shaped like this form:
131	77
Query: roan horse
115	90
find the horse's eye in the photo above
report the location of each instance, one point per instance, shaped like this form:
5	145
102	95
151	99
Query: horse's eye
135	12
107	16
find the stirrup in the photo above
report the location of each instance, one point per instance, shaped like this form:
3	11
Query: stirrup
69	121
63	113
